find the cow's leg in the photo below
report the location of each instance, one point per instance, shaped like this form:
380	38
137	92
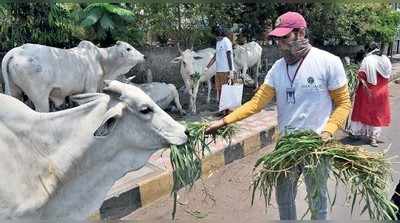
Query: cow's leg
195	91
246	77
208	91
175	95
16	92
40	99
257	72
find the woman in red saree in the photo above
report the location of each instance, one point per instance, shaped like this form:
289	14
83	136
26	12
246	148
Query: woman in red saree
371	110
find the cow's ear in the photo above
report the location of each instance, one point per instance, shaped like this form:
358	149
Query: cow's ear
176	59
118	43
110	120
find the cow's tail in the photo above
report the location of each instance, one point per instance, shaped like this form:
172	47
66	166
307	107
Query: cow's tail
6	71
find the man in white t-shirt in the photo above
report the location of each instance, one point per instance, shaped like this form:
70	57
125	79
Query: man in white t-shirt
223	58
311	92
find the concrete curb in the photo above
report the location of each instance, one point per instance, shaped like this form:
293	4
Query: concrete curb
155	187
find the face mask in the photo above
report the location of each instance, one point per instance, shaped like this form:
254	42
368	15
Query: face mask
296	50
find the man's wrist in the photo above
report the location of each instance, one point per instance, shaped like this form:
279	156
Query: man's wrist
222	121
327	132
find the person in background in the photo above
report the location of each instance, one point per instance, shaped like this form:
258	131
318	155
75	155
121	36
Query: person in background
310	87
371	110
224	60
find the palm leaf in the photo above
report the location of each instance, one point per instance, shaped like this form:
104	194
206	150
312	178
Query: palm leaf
106	22
93	6
92	17
122	13
108	8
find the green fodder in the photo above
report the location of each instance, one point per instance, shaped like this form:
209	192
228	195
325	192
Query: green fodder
186	158
364	174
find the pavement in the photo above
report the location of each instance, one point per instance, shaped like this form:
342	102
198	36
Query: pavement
154	181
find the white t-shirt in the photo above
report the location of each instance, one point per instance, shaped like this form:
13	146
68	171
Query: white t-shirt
319	73
222	47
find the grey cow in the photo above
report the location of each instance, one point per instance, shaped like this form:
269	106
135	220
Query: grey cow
46	73
163	94
60	165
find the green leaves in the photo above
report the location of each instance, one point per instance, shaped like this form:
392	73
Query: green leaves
105	18
352	23
186	159
352	81
97	11
93	16
107	23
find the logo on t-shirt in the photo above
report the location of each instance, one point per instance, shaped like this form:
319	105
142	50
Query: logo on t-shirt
312	84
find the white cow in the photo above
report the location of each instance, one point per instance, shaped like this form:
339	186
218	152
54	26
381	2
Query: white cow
61	165
162	94
192	64
46	73
246	56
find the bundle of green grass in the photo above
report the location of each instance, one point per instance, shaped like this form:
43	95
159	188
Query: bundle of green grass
364	174
352	82
186	158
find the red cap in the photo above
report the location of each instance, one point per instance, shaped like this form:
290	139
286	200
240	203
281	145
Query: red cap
286	23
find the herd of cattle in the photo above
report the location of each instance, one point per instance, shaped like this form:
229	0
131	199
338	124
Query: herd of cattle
61	164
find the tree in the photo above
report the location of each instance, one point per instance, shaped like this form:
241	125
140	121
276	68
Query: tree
41	23
351	23
105	21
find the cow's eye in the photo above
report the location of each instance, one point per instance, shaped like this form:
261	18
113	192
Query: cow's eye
184	63
128	49
146	110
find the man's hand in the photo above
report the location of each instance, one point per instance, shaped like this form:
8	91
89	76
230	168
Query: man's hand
214	126
326	136
232	75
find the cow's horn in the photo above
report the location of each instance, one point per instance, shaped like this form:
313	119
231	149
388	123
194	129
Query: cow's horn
109	86
191	47
131	78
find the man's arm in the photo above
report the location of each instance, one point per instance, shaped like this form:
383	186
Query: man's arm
259	100
262	97
228	56
342	103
